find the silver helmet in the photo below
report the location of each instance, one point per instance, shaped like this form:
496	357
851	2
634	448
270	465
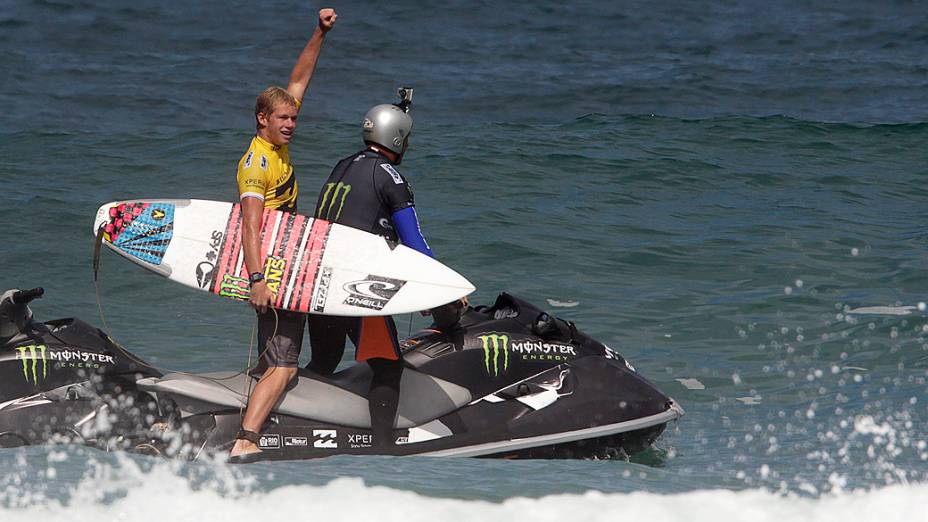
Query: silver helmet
389	125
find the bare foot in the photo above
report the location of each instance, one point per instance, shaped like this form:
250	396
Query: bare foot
243	447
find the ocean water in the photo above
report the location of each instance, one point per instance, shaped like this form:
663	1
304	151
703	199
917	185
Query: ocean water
731	194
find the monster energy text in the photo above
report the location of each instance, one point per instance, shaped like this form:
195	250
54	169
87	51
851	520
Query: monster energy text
496	348
542	351
36	355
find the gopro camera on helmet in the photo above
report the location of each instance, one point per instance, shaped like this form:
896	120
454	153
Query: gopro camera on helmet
389	125
405	94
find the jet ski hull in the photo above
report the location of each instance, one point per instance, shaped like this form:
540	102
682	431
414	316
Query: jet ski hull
506	381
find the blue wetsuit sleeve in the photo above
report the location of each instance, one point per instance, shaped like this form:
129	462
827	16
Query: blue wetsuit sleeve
407	226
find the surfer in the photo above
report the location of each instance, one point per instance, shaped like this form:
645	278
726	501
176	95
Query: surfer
365	191
266	180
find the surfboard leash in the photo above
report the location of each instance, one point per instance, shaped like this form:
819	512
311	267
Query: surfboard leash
97	247
246	392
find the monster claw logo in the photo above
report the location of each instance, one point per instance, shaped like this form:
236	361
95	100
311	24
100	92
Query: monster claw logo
31	361
235	287
340	188
39	354
495	344
497	348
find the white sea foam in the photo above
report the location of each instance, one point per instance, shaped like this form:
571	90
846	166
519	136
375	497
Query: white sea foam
691	384
160	494
884	310
562	304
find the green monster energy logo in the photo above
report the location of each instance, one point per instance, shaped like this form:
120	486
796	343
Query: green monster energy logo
35	352
339	188
234	287
495	344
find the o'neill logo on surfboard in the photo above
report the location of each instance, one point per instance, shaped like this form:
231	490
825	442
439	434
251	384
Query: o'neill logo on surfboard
373	292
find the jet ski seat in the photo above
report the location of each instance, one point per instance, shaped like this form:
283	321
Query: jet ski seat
339	399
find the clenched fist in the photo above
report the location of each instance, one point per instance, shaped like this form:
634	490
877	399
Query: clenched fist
327	19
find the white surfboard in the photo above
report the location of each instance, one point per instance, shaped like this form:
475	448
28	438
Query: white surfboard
312	265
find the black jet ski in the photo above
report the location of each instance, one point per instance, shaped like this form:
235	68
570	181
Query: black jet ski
65	380
507	380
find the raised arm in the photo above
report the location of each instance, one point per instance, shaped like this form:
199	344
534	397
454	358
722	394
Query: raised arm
305	65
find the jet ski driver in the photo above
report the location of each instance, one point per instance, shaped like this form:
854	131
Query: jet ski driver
365	191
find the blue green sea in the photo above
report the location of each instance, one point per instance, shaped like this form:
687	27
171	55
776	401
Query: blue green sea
732	194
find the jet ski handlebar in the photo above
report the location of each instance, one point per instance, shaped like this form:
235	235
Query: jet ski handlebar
21	297
15	315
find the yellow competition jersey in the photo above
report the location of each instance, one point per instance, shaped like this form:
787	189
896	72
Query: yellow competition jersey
265	172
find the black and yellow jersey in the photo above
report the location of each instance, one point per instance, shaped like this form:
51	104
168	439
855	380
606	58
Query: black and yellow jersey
265	172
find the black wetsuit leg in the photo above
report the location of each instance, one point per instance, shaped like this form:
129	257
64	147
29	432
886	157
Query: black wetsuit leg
384	395
327	336
384	399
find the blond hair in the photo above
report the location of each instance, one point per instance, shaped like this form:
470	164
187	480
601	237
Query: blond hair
270	98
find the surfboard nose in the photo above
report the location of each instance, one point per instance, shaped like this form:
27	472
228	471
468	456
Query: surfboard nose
465	285
454	285
101	218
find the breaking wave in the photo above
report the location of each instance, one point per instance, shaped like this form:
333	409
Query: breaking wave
170	491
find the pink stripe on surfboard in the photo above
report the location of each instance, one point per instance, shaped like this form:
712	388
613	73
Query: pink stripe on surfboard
292	231
269	220
229	253
315	248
